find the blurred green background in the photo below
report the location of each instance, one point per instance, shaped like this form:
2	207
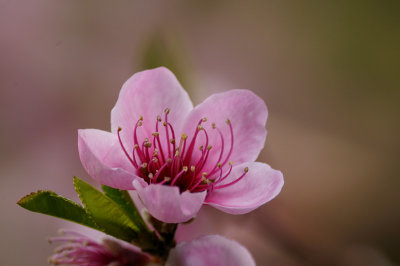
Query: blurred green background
329	72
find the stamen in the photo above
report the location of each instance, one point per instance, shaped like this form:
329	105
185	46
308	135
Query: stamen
166	179
184	170
246	169
124	150
173	166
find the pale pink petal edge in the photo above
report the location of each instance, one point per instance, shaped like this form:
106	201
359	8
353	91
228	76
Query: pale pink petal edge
91	158
252	191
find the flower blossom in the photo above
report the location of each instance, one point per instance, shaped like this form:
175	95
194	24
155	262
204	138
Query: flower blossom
79	249
210	250
178	157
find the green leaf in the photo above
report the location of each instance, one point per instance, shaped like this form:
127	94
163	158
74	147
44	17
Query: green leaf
48	202
124	200
105	212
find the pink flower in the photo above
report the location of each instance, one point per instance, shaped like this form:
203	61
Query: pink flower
211	250
178	157
79	249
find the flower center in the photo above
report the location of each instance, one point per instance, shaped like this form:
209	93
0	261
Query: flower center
161	160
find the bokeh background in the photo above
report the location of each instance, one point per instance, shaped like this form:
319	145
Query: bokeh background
329	72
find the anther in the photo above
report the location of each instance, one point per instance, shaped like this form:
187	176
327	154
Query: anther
165	124
204	119
119	128
201	147
147	144
172	141
144	165
139	123
192	168
141	118
159	118
155	134
199	127
166	110
169	160
185	168
135	146
184	136
167	178
246	169
151	175
228	121
205	181
230	163
213	125
219	165
209	147
204	174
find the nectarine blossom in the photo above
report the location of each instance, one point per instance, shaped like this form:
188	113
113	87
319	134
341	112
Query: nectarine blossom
209	250
81	250
78	249
178	157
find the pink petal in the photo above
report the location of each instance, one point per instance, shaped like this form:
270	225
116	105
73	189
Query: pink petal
148	94
104	160
258	186
166	204
248	115
210	250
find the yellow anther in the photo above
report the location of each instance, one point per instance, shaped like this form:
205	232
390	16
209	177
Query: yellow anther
172	141
204	119
209	147
230	163
192	168
199	127
146	140
144	165
119	128
219	165
246	169
204	174
159	118
185	168
147	144
205	181
167	178
155	134
177	153
141	118
184	136
155	159
201	147
166	110
228	121
164	124
135	146
213	125
151	176
140	124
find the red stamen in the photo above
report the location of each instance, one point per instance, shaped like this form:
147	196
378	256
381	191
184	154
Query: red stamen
123	148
